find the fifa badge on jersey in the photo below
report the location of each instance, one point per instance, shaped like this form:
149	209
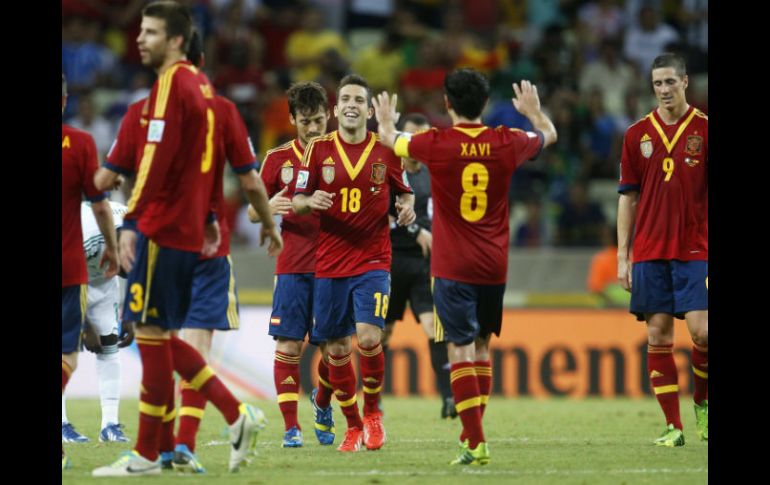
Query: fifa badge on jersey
155	131
378	173
287	172
694	145
691	162
646	145
327	171
302	177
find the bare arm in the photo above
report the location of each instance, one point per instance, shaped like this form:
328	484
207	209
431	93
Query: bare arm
302	204
255	191
106	179
527	102
626	219
103	215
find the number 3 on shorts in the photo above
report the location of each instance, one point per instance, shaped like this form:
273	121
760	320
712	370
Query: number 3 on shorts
137	303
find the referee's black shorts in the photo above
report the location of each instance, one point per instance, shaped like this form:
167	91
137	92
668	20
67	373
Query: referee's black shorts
409	281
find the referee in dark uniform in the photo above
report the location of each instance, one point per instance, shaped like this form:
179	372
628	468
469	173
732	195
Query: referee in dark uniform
410	270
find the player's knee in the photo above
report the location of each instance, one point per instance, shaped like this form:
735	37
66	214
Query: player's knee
369	339
658	336
701	337
289	347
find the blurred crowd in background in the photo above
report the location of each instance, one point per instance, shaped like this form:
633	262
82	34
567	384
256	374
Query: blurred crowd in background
589	59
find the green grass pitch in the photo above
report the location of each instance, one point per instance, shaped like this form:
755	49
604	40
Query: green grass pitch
591	441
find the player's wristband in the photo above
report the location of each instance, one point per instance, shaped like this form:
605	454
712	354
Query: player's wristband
413	229
401	144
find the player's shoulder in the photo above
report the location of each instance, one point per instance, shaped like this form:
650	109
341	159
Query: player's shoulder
224	103
279	150
700	114
74	137
640	124
74	132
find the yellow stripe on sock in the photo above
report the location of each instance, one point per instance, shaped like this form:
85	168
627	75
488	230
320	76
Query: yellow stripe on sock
288	396
155	343
349	402
150	410
339	362
700	373
324	383
468	403
460	373
287	359
169	416
191	411
484	400
202	377
372	390
666	389
370	352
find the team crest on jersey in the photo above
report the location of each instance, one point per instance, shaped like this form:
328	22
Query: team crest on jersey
378	173
327	171
691	162
645	145
287	172
694	145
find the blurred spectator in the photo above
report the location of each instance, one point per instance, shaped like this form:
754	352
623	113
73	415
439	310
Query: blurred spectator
427	12
382	63
369	14
306	46
531	233
693	16
422	86
601	152
580	222
517	67
240	77
88	119
233	27
556	60
412	34
597	21
648	40
275	124
275	28
602	278
611	75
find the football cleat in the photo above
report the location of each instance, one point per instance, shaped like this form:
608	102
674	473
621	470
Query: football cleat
69	435
113	432
354	438
671	437
292	438
468	456
129	464
324	422
185	460
243	434
448	410
374	432
702	420
166	457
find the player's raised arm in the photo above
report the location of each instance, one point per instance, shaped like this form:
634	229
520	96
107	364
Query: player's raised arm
387	116
527	102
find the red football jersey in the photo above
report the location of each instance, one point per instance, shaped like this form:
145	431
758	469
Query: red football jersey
668	165
470	169
173	190
78	166
355	234
235	148
300	233
126	151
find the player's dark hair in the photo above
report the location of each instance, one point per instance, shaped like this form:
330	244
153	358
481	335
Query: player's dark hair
63	85
467	91
178	19
418	119
306	98
358	81
670	59
195	51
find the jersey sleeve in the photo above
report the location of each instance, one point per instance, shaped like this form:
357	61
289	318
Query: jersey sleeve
164	135
89	164
306	181
269	176
630	179
526	145
122	155
397	176
238	149
419	146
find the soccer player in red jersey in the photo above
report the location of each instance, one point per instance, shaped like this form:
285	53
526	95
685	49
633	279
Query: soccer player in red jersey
347	176
470	169
292	316
664	205
171	206
79	163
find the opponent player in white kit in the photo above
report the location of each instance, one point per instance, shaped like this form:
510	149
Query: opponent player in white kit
101	331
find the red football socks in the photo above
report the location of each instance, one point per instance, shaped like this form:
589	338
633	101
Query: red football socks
700	368
286	377
465	389
372	362
343	379
157	372
663	377
324	396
